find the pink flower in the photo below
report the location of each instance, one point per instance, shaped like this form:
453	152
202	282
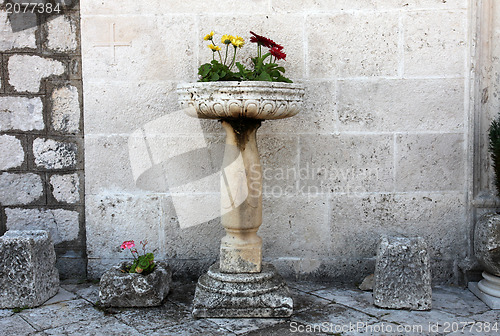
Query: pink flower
127	244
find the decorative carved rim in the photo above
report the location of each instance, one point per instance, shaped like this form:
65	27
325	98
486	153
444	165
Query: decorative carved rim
232	100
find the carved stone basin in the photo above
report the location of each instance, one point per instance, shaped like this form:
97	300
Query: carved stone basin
225	291
233	100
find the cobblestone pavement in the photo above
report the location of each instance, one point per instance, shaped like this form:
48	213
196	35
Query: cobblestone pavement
320	309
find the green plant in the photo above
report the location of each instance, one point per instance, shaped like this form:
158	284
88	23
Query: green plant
265	66
494	147
144	263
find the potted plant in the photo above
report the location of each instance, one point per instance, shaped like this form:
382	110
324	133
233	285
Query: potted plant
487	231
228	89
143	282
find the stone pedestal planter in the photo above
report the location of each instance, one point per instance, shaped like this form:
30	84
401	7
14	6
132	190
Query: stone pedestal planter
487	252
239	285
28	276
119	289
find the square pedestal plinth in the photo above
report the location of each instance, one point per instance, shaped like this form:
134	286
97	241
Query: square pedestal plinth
263	294
491	301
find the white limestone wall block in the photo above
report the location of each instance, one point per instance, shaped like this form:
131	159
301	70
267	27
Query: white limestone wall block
20	188
188	234
296	226
107	165
65	112
430	162
140	103
26	71
13	38
433	216
61	34
63	224
138	55
108	7
345	5
21	113
282	29
401	105
12	153
113	219
335	49
279	162
346	163
435	43
66	188
153	163
318	113
52	154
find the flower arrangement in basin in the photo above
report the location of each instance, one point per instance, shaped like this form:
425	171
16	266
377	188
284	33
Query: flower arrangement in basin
142	283
228	90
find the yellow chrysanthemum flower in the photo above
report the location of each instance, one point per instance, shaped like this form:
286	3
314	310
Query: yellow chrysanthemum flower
238	41
209	36
226	39
214	48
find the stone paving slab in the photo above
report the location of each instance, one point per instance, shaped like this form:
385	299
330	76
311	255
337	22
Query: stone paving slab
320	309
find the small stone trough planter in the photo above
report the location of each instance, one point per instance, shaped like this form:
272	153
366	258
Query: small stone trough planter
119	289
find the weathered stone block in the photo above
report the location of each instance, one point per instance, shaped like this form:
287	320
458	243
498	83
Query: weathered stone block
317	114
430	162
346	163
21	113
435	43
13	38
26	71
421	105
61	34
142	55
119	289
142	102
283	222
369	50
402	274
173	6
27	272
433	216
20	189
66	188
487	242
51	154
62	224
114	219
12	153
65	109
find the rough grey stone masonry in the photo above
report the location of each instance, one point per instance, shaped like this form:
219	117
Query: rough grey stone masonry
402	274
487	242
12	153
41	135
28	276
119	289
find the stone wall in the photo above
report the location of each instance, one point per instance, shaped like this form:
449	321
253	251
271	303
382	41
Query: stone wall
41	129
381	147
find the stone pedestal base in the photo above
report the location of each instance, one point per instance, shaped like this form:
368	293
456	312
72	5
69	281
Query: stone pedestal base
263	294
488	290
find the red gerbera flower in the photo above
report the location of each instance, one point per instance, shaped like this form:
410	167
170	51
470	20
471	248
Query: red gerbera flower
276	52
268	43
